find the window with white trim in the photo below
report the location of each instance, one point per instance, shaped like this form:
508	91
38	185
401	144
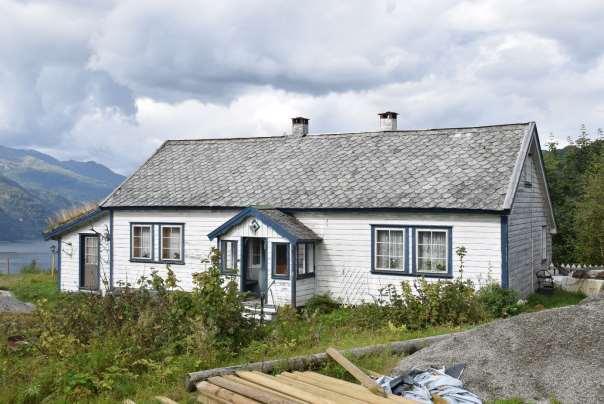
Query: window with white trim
389	249
229	255
432	251
171	242
142	241
306	259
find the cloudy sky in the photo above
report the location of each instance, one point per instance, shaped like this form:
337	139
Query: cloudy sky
109	81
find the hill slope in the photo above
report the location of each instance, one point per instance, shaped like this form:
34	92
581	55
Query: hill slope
34	185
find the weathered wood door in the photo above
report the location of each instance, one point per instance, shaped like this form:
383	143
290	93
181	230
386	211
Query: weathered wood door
254	268
89	262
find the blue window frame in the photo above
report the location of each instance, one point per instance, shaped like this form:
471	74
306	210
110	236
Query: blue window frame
430	248
228	256
280	261
141	242
305	260
172	243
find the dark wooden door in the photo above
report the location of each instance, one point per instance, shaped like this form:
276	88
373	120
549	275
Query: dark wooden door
89	262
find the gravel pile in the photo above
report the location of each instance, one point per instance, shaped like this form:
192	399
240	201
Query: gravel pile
9	303
555	353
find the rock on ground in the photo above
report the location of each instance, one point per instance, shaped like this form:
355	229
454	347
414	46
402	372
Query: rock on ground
9	303
556	353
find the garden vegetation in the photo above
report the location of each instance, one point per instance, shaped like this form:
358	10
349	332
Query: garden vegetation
140	341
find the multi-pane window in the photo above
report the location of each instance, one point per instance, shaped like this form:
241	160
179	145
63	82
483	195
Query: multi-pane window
171	242
306	258
91	250
280	259
229	255
141	242
431	251
389	249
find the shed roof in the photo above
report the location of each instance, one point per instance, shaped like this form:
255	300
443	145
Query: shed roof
457	168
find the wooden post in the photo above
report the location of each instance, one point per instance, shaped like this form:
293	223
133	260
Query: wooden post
357	373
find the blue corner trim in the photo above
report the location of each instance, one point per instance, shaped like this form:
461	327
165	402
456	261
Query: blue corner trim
242	265
244	214
59	264
111	250
505	277
72	224
293	271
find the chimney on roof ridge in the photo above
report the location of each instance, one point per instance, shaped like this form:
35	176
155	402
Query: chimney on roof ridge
388	120
300	126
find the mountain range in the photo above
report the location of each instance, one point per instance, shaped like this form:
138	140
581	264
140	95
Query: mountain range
34	186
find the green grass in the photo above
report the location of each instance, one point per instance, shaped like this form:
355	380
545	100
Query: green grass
308	335
30	287
559	298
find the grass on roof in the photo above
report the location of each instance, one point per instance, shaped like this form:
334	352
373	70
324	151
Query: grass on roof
67	215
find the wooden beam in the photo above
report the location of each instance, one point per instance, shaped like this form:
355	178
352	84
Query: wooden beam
248	391
357	373
165	400
222	395
320	391
277	394
274	384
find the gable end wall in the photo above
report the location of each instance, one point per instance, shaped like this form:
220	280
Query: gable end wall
528	214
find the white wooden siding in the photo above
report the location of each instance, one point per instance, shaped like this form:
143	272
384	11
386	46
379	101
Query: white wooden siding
70	255
529	213
342	258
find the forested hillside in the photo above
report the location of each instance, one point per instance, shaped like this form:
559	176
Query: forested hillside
576	181
33	186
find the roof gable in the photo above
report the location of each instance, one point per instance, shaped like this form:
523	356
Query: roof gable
286	225
460	168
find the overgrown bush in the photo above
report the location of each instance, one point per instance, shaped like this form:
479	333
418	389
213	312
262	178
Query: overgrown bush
90	344
499	302
322	304
421	304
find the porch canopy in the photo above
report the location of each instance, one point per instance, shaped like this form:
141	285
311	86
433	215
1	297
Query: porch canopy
286	225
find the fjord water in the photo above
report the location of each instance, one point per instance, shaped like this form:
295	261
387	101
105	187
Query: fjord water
14	255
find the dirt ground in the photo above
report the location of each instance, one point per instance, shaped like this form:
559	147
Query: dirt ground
551	354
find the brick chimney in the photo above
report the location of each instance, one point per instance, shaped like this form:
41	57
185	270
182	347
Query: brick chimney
388	120
299	126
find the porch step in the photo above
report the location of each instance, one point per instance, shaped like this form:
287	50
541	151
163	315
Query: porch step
254	310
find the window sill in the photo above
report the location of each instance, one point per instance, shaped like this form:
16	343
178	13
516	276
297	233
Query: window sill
143	260
413	275
169	262
305	276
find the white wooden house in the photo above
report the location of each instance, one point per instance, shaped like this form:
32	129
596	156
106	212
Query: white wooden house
345	214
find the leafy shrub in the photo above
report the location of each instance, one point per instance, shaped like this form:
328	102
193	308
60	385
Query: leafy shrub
424	303
321	304
499	302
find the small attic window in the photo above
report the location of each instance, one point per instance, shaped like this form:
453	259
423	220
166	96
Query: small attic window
527	173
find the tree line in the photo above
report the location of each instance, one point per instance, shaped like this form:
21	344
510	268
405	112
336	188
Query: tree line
575	175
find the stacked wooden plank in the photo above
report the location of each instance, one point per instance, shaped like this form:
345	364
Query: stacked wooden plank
288	387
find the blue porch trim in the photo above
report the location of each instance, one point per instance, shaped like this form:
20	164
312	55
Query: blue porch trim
505	278
253	212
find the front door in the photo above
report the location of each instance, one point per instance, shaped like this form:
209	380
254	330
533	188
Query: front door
89	262
254	273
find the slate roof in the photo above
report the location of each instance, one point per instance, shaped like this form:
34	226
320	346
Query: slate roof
458	168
